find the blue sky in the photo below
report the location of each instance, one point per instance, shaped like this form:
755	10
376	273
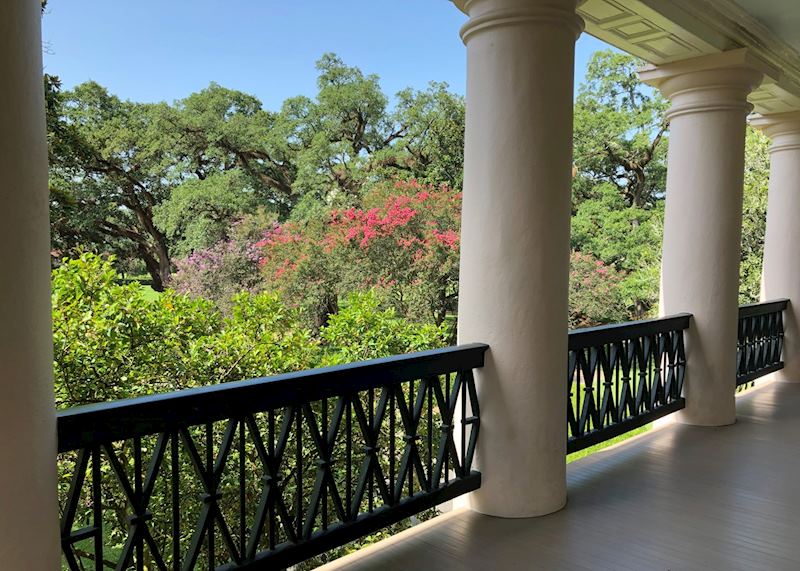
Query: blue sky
162	50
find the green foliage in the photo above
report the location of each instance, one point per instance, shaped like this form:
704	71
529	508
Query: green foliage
619	131
222	130
625	237
261	337
364	330
349	119
431	148
111	342
200	212
350	140
754	214
619	186
595	297
106	174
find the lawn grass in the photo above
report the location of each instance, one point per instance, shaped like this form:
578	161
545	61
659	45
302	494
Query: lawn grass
597	447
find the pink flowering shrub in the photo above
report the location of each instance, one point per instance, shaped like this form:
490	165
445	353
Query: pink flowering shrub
595	296
220	272
403	242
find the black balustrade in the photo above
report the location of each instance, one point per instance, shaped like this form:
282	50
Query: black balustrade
623	376
268	472
273	471
760	344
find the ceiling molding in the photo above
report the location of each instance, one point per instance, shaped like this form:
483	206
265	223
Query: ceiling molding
662	32
665	31
742	29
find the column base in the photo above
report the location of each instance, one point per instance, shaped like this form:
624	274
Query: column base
710	420
541	511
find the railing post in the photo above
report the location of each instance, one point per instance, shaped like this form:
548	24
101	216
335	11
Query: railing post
703	219
515	244
28	503
781	273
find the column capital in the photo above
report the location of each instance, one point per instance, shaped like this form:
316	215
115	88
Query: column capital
489	14
716	82
782	128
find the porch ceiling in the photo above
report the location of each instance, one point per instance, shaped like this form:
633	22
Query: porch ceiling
683	497
780	16
662	31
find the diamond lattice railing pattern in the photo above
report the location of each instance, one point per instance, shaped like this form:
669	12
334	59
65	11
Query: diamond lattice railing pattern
760	342
270	470
623	376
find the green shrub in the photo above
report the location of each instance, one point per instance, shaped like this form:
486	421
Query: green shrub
363	330
112	342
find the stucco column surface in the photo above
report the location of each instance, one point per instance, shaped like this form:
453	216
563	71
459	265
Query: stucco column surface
28	504
781	273
515	245
702	226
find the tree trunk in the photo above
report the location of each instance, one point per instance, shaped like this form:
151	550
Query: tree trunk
639	309
328	307
153	267
157	251
164	267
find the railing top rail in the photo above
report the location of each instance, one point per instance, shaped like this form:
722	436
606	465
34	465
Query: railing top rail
762	308
602	334
93	424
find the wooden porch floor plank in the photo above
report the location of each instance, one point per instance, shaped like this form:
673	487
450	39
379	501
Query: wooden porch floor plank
680	498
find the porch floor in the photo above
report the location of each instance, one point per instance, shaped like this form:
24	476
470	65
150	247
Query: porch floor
678	498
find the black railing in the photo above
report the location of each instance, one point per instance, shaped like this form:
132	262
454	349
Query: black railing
623	376
268	471
760	344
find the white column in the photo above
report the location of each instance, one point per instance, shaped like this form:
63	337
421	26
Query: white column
515	245
28	503
702	226
781	273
